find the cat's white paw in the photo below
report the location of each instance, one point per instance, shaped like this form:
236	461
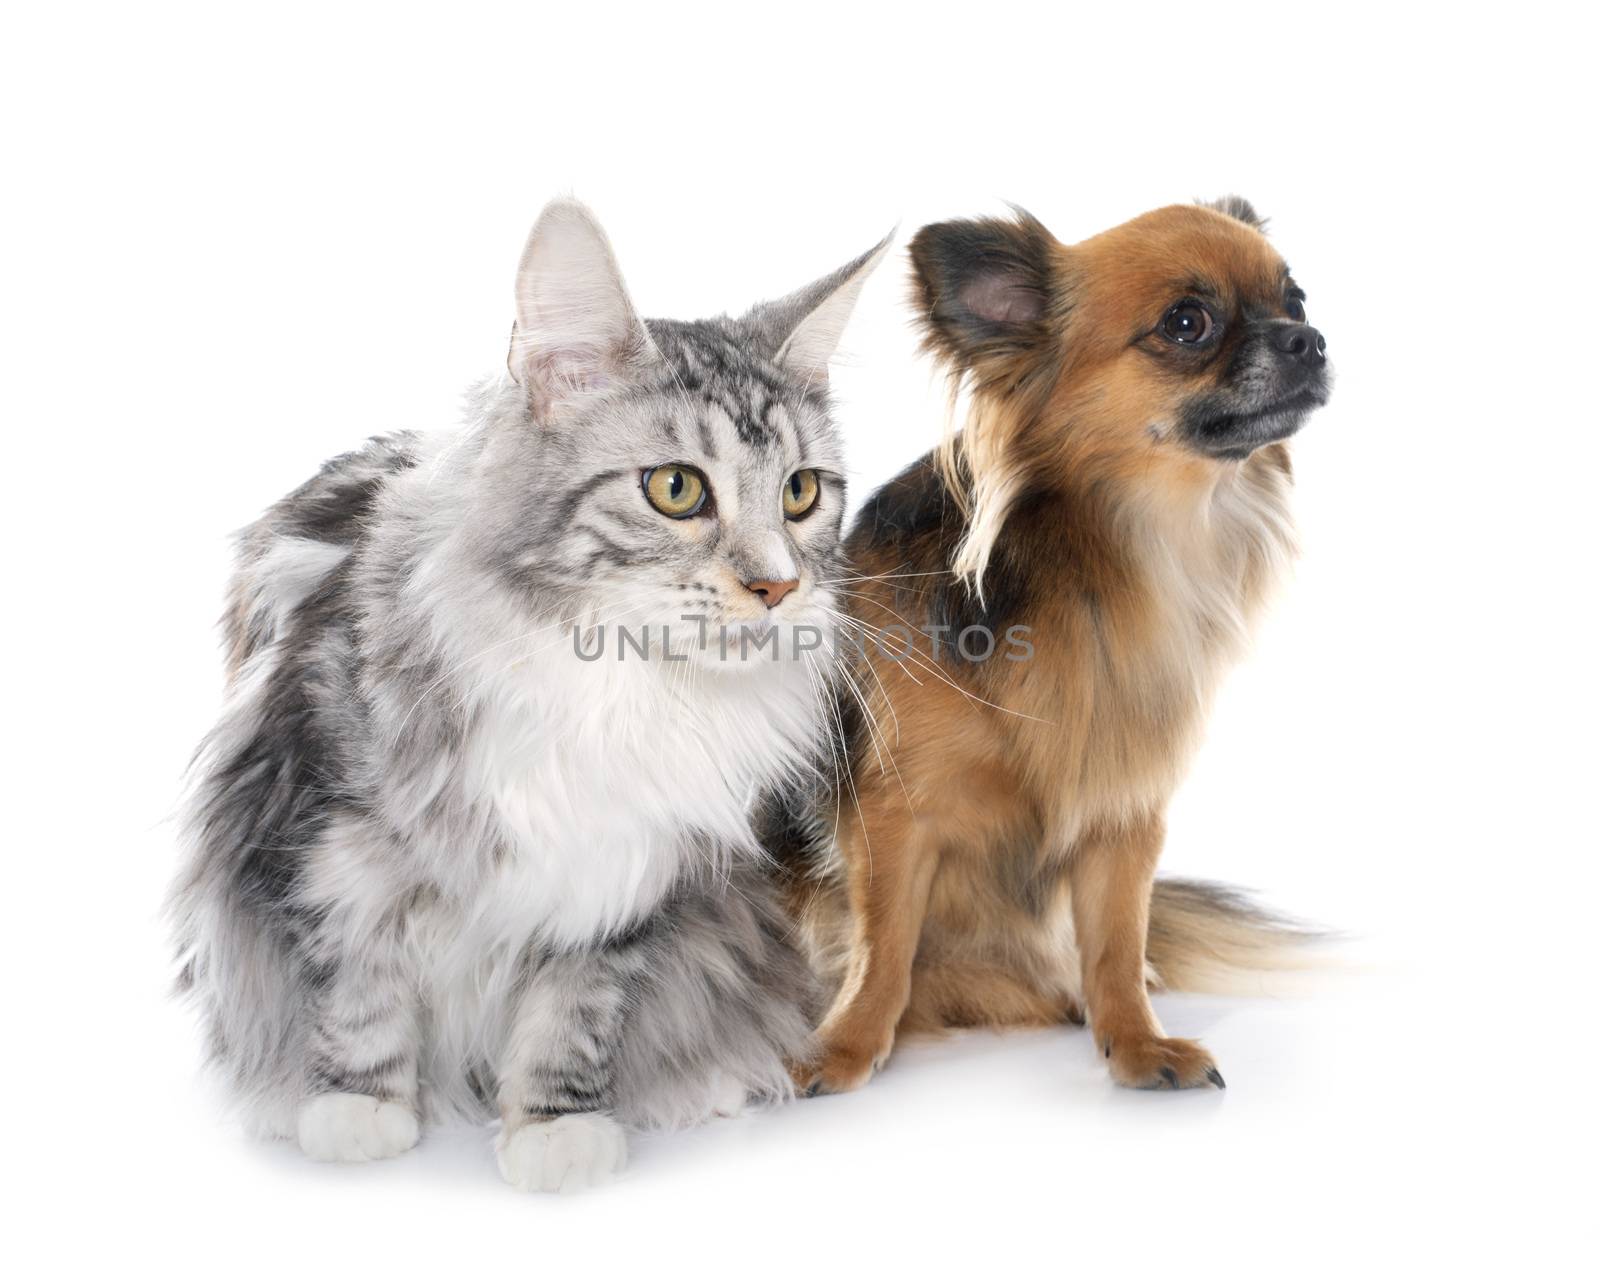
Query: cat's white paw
355	1127
728	1097
582	1149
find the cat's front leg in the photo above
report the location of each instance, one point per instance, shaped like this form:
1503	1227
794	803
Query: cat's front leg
556	1076
362	1061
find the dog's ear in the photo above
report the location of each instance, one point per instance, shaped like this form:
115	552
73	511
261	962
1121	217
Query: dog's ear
1239	208
984	289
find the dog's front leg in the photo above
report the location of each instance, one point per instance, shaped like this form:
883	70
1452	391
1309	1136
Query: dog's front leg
1112	869
889	882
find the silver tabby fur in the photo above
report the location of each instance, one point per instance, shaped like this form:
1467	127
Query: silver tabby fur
438	864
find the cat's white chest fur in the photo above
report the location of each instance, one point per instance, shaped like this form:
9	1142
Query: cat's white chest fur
608	780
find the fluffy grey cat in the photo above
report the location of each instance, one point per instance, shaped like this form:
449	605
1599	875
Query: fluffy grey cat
445	858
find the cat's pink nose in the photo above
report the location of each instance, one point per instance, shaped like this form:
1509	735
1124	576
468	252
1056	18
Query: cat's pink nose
771	592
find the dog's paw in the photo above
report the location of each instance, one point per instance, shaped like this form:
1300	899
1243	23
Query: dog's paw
1160	1063
355	1127
840	1064
582	1149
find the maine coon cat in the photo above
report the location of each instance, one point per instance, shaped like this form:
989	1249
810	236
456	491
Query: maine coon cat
443	856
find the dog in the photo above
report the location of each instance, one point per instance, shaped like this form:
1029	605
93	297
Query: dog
1041	611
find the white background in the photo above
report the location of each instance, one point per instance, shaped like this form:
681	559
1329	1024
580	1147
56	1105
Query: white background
237	241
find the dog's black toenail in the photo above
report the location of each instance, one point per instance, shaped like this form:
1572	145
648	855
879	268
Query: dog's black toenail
1171	1076
1215	1077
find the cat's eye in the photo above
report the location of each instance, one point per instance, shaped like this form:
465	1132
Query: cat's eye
675	490
799	493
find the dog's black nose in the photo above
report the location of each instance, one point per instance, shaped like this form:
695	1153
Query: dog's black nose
1303	342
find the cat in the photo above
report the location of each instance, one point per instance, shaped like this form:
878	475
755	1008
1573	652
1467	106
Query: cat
442	858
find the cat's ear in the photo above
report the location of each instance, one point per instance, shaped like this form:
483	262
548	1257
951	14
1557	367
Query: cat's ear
576	330
805	326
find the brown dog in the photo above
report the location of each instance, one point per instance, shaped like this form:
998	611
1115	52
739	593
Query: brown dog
1046	607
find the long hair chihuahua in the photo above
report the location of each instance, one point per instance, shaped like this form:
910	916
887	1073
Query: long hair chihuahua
1045	607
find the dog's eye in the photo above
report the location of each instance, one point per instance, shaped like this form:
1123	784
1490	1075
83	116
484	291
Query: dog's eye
1295	308
1188	323
675	490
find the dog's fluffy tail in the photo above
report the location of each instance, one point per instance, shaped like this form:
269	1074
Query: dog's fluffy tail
1206	937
